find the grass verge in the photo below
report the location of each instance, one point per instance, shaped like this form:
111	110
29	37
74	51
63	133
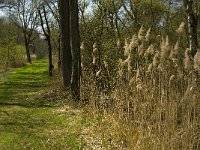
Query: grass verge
30	120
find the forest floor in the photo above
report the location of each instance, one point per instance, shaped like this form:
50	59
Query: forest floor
32	119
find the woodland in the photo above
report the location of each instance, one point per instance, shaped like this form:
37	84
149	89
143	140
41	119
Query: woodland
100	74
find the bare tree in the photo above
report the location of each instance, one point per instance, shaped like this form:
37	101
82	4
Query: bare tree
24	14
6	3
53	7
47	32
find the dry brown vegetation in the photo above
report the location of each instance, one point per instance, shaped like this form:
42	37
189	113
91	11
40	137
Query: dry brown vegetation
154	102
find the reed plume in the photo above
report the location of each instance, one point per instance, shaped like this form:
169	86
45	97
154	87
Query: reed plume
197	61
148	35
141	33
181	28
187	60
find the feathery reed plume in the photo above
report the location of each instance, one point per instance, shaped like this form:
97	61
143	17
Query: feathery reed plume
126	43
134	42
187	60
82	46
197	61
160	67
127	52
159	38
175	54
94	45
165	50
120	72
171	78
181	28
150	67
150	51
131	81
128	62
148	35
163	43
122	63
137	77
129	67
141	33
156	59
95	48
167	41
118	43
94	53
94	60
176	48
98	73
82	66
141	50
105	64
126	48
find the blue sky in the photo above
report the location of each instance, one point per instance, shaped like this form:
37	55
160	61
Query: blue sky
1	13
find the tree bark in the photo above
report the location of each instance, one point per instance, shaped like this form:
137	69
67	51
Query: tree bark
192	27
59	53
48	38
66	56
49	43
28	56
50	57
75	45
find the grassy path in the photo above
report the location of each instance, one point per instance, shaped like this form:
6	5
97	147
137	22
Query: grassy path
30	121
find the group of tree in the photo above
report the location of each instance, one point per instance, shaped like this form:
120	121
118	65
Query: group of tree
138	60
58	25
70	45
11	50
104	22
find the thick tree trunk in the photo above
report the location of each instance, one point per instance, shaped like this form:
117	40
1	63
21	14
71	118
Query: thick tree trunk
66	56
192	27
75	45
28	56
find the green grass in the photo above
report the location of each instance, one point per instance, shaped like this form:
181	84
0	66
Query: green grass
29	121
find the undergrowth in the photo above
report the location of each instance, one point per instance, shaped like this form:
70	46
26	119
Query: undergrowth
152	102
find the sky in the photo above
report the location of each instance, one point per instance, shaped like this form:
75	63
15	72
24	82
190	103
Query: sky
1	13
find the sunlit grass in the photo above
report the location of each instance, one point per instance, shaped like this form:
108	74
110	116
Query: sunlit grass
29	120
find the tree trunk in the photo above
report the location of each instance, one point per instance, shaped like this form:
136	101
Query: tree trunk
48	38
59	53
192	27
66	56
75	45
50	57
28	56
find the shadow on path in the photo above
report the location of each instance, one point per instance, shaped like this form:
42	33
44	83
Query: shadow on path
20	86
